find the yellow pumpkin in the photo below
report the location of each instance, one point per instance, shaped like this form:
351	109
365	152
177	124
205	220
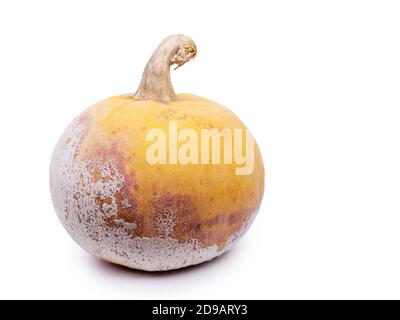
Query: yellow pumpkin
126	200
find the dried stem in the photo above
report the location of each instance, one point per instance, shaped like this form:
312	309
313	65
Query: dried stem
156	82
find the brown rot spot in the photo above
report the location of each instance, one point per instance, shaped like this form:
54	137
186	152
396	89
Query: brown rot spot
216	237
216	220
103	202
121	209
237	217
220	228
175	215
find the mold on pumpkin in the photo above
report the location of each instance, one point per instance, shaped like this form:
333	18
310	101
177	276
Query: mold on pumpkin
122	209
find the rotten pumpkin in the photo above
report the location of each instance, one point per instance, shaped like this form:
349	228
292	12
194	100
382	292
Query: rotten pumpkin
122	201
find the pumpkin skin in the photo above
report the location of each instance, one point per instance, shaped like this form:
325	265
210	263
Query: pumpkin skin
152	217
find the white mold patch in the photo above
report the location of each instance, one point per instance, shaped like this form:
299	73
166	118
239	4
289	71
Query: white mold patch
87	194
165	222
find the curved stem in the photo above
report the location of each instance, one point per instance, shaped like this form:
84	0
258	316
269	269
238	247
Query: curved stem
156	82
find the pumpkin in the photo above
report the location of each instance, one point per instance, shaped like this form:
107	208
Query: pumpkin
155	180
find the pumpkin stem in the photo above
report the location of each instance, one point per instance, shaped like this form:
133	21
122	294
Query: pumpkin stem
156	82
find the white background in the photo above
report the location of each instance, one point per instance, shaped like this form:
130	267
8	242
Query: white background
317	82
